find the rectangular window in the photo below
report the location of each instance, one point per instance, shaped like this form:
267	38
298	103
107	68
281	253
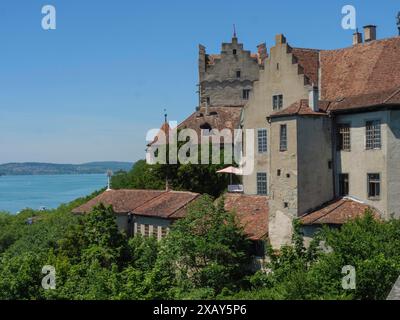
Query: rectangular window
155	232
261	183
146	230
344	184
344	137
262	140
373	134
283	138
374	185
246	94
164	232
238	74
277	102
138	228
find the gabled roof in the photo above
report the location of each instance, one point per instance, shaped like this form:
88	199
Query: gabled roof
300	108
218	117
337	212
308	59
167	205
384	98
252	213
364	69
164	130
213	117
152	203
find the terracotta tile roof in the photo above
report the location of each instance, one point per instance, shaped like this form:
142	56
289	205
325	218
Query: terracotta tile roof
167	205
338	212
252	212
362	76
363	69
163	130
301	108
308	59
385	98
155	203
218	117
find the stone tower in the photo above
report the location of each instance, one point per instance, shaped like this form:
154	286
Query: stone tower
226	79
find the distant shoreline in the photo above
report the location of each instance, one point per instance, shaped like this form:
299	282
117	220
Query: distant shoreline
51	174
38	168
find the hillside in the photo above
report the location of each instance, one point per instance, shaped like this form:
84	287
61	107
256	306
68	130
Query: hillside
37	168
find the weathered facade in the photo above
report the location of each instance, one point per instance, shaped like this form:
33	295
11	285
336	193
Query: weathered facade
326	124
227	78
301	175
284	78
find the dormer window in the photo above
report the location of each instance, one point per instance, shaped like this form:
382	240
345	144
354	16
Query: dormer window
206	129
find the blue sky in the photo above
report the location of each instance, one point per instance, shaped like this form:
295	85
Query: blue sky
91	89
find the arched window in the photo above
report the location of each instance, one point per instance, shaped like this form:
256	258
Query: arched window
205	126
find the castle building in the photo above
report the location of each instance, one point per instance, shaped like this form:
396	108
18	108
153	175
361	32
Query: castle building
327	124
226	79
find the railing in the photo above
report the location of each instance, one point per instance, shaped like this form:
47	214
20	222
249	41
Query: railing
235	188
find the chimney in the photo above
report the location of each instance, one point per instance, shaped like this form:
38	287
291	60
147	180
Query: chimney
370	33
280	39
262	52
398	21
357	38
313	97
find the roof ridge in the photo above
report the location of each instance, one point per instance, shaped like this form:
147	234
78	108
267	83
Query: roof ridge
162	193
307	49
183	191
330	211
364	44
172	213
152	190
300	105
395	93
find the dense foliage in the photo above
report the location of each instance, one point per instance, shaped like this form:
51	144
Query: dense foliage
205	256
368	245
203	178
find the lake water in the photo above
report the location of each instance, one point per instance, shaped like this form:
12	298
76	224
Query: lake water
19	192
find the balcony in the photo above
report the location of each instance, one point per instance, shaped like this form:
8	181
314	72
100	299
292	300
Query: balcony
235	188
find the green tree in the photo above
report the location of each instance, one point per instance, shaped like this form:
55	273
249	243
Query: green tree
142	176
201	178
207	249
